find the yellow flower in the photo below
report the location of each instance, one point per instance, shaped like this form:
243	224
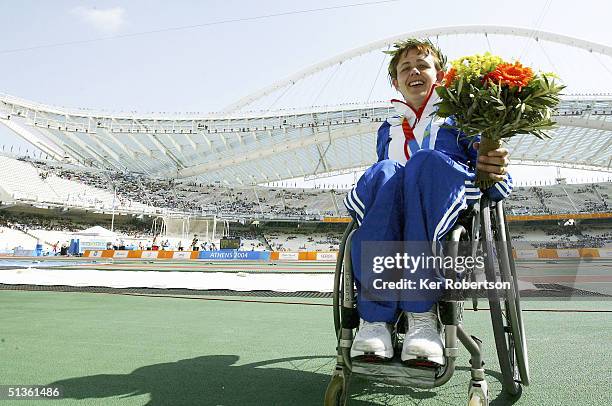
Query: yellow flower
550	75
475	66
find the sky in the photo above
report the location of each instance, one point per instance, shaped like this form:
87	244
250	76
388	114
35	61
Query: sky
140	56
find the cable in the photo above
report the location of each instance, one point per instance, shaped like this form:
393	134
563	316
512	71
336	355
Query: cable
555	69
326	84
488	43
536	27
280	96
382	62
189	27
602	64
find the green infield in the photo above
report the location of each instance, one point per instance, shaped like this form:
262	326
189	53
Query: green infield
139	350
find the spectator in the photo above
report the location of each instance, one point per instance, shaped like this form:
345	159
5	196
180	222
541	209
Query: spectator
194	243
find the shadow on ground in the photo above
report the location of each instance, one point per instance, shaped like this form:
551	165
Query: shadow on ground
212	380
217	380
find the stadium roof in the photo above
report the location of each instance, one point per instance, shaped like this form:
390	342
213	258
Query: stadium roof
262	148
246	147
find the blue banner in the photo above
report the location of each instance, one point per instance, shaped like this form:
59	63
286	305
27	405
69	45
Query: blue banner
233	255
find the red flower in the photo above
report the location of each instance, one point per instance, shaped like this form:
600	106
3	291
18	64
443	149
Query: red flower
449	77
511	75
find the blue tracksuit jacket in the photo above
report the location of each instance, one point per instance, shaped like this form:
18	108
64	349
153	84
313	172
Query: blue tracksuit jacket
423	180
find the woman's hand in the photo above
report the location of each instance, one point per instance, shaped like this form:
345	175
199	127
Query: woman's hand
495	163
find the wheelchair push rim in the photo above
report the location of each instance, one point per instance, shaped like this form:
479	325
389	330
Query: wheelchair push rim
337	292
506	320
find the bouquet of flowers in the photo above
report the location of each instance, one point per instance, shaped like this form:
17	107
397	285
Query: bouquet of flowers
495	99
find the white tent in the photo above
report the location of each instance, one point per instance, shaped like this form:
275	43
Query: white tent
96	231
94	238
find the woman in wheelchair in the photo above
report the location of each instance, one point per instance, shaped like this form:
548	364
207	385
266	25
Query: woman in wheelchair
423	180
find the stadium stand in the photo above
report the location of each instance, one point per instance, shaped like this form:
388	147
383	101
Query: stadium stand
30	182
566	234
299	242
10	239
44	182
36	181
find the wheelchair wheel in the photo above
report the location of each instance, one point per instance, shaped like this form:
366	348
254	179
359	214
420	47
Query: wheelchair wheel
334	394
338	292
521	350
506	315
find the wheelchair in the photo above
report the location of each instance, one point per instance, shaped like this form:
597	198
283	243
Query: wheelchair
485	232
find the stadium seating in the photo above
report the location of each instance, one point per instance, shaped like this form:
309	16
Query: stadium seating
21	180
304	242
67	184
555	235
12	238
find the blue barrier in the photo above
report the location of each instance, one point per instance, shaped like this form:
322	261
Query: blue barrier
233	255
74	249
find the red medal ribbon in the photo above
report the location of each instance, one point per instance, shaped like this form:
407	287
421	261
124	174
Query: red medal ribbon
409	136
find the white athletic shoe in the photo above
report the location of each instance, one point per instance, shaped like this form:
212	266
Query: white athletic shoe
373	340
423	343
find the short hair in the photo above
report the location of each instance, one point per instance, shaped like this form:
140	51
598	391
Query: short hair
424	46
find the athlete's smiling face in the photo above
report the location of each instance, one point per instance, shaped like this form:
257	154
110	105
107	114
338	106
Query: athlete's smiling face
416	74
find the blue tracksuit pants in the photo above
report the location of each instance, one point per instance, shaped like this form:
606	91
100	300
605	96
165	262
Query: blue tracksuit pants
416	202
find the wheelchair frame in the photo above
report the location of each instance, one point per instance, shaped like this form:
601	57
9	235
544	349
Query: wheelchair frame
488	225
